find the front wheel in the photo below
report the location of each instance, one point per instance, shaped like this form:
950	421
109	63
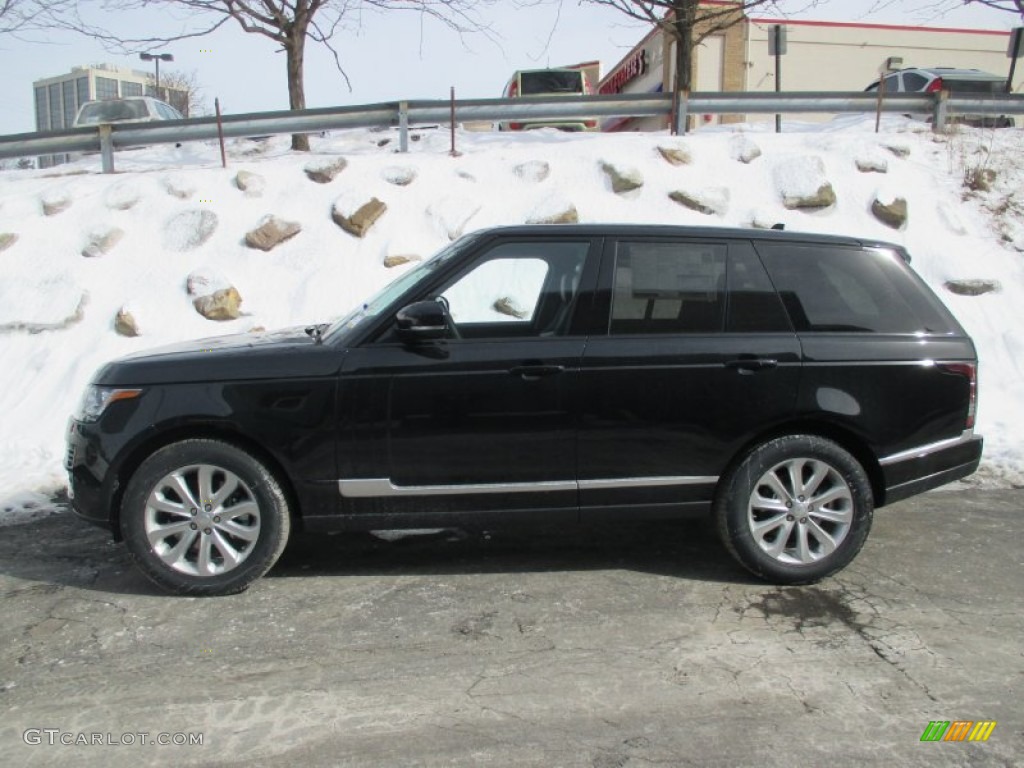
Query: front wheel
203	517
795	510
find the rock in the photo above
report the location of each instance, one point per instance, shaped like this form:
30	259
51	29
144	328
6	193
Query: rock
800	181
180	187
271	232
204	281
565	216
399	176
980	179
7	239
891	211
744	149
506	306
220	305
897	148
973	287
122	196
257	329
465	175
764	218
365	216
64	306
399	259
251	184
623	180
675	155
101	242
714	200
872	162
325	171
55	202
534	170
452	214
189	229
125	324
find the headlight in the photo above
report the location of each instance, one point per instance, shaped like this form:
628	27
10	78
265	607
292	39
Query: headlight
96	399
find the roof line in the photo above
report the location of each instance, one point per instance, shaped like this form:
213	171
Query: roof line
857	25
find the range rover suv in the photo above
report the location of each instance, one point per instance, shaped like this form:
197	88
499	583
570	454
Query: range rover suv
787	384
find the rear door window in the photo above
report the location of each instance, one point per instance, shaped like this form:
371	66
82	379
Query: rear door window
847	289
913	82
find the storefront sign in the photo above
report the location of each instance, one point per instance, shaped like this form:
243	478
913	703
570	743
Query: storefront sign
632	68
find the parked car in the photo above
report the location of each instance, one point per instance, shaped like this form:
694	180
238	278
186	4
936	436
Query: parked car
959	82
135	109
788	384
536	83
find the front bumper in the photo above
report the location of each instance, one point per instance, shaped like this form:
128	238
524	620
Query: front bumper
89	476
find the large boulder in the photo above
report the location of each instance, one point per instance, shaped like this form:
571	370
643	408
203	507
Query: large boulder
252	184
179	186
55	201
507	306
400	176
102	241
47	303
121	196
271	232
675	154
710	201
872	161
973	287
623	180
359	221
801	183
743	149
452	213
325	171
221	305
399	259
189	229
554	210
7	239
533	170
125	323
890	209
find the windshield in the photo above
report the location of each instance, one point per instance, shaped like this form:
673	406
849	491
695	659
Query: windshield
392	291
550	81
111	111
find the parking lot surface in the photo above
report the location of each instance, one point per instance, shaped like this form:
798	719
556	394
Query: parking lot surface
609	647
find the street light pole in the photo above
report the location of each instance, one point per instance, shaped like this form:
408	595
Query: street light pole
156	57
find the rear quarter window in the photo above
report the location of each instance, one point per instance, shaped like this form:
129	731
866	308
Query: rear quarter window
853	290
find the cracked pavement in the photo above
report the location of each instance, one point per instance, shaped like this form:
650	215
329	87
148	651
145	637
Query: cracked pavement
604	648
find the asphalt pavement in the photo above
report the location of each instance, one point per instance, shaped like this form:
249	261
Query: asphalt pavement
605	647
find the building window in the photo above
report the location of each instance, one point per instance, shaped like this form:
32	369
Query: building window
106	88
55	110
82	84
42	124
131	89
70	107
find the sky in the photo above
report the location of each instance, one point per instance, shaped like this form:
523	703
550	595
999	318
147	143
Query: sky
399	55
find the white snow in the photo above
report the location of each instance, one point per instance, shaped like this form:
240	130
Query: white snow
952	233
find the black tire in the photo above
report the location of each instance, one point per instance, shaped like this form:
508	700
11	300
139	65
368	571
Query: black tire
823	528
221	544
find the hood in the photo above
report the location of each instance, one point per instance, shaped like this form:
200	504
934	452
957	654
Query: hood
287	353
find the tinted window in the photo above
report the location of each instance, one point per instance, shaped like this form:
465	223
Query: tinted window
754	306
668	288
892	83
518	289
829	288
912	81
550	81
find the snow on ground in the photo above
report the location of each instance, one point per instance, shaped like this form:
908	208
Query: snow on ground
179	211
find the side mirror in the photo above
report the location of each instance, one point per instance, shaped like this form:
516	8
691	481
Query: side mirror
422	321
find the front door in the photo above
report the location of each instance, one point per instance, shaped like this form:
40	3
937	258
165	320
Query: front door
483	421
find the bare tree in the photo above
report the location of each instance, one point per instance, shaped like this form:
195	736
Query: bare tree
27	15
189	97
1013	6
288	23
687	23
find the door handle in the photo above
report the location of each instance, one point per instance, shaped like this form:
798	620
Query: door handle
750	364
534	372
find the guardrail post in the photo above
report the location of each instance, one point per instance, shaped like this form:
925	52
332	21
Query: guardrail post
403	126
107	147
940	112
682	111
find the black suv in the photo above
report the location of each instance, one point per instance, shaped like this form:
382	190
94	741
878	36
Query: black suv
787	383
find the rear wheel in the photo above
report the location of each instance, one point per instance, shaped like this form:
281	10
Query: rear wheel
202	517
795	510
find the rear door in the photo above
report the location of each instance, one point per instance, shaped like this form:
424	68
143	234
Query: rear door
697	356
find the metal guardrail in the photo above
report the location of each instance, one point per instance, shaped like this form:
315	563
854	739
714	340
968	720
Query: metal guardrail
109	137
